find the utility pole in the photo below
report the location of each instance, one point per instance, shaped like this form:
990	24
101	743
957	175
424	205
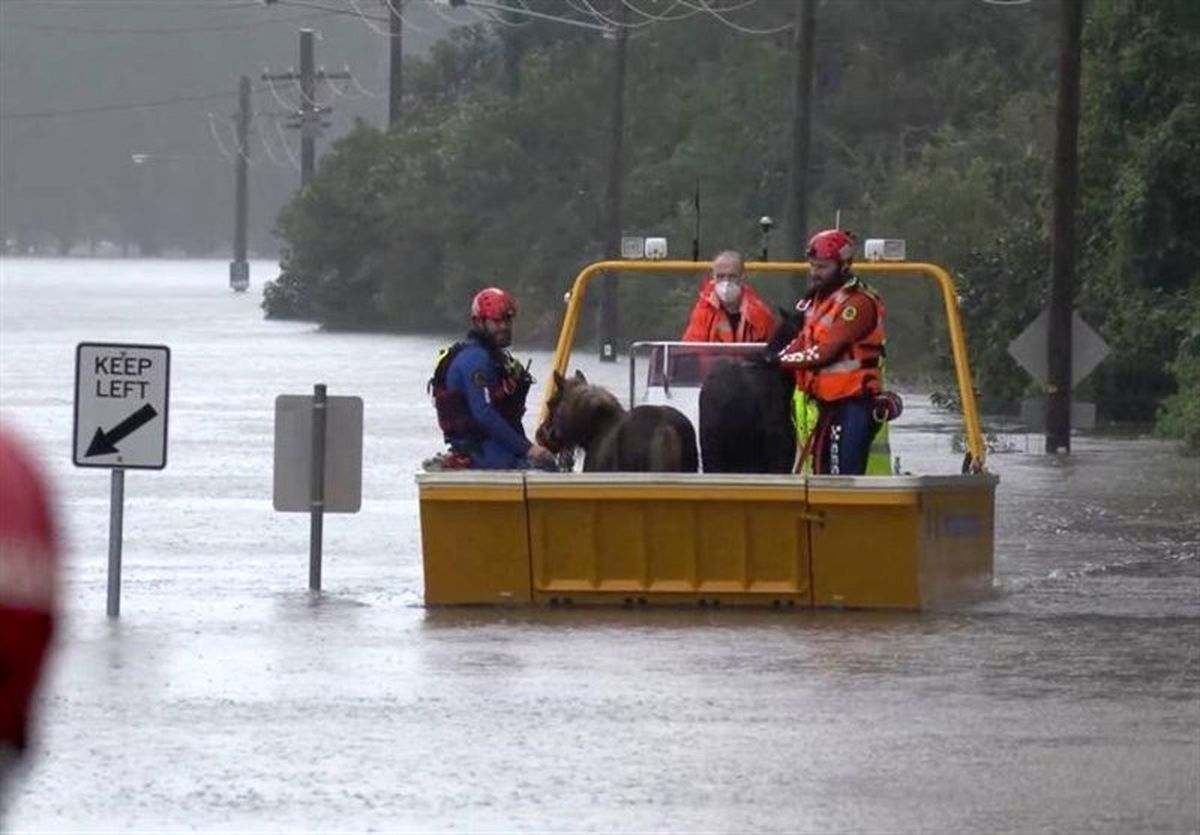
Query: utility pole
396	58
612	193
803	43
1066	190
310	117
239	268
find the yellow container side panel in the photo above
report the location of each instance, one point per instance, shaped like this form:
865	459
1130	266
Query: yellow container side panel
865	555
592	549
957	544
475	547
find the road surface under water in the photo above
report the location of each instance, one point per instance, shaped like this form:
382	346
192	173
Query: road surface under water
228	698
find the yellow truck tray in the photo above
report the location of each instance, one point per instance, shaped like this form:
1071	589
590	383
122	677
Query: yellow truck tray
897	542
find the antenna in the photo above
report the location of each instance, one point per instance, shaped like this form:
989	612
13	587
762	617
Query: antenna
837	219
696	237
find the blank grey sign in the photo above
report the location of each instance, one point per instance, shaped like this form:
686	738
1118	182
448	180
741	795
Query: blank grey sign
343	453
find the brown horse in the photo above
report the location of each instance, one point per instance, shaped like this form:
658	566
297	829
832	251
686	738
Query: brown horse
656	439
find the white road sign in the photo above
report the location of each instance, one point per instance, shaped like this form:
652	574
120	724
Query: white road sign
121	394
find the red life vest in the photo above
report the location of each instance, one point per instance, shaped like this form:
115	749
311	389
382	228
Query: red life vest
857	371
507	396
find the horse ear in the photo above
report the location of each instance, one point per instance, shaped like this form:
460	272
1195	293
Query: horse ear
560	382
579	378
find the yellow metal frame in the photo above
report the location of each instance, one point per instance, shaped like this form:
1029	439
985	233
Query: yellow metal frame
958	342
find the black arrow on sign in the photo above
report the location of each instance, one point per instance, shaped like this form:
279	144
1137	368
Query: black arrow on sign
104	443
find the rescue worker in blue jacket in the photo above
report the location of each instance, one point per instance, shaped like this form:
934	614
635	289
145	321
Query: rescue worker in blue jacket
479	391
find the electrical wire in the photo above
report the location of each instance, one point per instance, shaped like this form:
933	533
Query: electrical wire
367	93
348	12
88	30
453	21
291	155
284	103
589	9
109	108
395	7
221	148
718	15
665	17
580	24
276	161
156	5
498	17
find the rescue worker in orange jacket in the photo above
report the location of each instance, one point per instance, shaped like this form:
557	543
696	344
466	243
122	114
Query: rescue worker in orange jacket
837	356
728	309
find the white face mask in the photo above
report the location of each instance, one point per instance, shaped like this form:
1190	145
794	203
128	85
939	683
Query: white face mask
728	292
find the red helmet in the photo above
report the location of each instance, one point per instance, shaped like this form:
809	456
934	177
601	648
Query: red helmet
28	571
834	244
493	303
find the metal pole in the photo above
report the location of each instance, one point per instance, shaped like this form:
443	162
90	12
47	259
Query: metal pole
612	194
116	518
317	488
1066	189
309	117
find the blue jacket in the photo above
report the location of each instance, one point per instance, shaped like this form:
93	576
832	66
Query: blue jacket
476	375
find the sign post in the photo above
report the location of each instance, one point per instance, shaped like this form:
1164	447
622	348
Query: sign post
318	462
316	487
121	399
1029	349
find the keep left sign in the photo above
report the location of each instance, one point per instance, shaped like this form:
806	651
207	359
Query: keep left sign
121	398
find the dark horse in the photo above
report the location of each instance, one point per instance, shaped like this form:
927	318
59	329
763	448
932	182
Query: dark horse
645	439
746	411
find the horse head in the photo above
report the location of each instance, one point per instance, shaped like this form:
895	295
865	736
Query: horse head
576	413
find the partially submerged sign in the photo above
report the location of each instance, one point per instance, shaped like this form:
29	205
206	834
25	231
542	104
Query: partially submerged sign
121	399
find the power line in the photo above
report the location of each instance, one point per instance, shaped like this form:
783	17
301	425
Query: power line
108	108
212	5
348	12
719	15
165	30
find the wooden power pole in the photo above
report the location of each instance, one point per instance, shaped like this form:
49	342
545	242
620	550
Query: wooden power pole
239	268
803	41
396	60
1066	193
310	117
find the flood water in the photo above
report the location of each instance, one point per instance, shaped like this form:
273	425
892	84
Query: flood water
228	698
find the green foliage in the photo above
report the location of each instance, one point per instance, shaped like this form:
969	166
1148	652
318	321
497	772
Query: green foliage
1140	201
1180	415
933	121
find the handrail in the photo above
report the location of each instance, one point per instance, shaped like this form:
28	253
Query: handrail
958	343
721	348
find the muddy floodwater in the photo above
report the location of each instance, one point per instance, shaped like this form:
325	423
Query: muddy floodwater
228	698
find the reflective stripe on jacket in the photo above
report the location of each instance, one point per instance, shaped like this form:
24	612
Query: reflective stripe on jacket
856	371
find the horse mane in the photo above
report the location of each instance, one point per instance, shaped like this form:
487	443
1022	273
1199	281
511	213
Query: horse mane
585	412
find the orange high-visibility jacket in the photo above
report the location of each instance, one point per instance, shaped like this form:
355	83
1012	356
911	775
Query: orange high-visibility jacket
710	323
856	371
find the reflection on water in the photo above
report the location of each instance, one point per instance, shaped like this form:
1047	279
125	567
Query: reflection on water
228	697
